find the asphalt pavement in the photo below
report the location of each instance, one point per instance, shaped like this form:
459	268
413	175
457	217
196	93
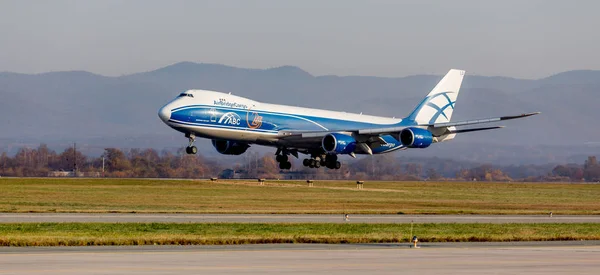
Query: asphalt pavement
456	258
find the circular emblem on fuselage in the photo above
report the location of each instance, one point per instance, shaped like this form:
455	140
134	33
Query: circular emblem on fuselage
254	120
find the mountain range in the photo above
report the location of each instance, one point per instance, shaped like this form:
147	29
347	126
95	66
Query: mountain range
59	108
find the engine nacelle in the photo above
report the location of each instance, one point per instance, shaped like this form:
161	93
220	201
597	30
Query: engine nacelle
227	147
335	143
416	138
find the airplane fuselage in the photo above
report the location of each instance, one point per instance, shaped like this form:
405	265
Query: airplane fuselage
216	115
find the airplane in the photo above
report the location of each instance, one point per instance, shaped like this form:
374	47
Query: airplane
234	123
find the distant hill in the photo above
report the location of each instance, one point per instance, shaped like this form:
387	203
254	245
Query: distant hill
98	111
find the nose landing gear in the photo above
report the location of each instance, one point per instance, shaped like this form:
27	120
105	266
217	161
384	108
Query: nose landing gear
191	149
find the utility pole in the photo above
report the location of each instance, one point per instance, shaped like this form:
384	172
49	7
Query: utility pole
74	159
372	168
103	166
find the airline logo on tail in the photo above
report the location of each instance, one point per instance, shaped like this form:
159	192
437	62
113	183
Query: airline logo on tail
444	101
438	105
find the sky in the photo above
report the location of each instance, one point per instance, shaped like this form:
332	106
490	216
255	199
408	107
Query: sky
523	39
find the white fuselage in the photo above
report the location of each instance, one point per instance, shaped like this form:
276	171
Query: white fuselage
202	112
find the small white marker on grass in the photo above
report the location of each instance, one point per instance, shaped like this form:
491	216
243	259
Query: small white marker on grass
414	237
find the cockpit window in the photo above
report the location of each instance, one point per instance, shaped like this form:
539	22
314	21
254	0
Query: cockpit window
185	94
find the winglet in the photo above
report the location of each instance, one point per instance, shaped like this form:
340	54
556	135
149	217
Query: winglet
520	116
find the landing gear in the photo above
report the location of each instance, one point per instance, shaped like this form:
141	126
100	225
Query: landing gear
331	162
306	162
285	165
282	158
316	161
312	163
191	149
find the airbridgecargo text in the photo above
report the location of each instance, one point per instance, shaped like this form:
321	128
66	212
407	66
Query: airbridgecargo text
224	102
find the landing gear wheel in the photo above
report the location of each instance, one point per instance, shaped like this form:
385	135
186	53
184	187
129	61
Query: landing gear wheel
331	158
331	161
281	158
323	162
317	164
285	165
191	150
338	165
306	162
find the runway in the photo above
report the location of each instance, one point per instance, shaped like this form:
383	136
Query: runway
456	258
266	218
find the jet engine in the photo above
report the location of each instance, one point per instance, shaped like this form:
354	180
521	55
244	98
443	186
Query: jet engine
227	147
416	138
336	143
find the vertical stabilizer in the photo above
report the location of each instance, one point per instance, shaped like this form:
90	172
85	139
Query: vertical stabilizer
438	106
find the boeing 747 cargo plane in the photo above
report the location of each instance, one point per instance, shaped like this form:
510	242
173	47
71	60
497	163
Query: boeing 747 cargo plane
234	123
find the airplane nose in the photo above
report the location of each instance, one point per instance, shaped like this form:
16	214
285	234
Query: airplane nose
164	113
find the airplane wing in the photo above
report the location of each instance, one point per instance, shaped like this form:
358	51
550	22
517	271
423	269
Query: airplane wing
445	124
393	130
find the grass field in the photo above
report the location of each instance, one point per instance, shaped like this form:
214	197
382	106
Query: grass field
187	196
78	234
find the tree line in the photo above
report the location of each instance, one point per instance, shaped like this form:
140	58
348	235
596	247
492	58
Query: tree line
140	163
149	163
589	171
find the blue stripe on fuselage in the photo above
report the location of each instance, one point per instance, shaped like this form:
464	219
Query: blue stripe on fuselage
271	122
264	120
219	126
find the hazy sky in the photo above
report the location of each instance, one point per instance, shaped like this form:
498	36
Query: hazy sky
524	38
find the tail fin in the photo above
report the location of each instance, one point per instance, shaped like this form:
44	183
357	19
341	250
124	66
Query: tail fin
438	106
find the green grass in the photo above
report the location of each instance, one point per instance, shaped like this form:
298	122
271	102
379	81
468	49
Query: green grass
84	234
186	196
